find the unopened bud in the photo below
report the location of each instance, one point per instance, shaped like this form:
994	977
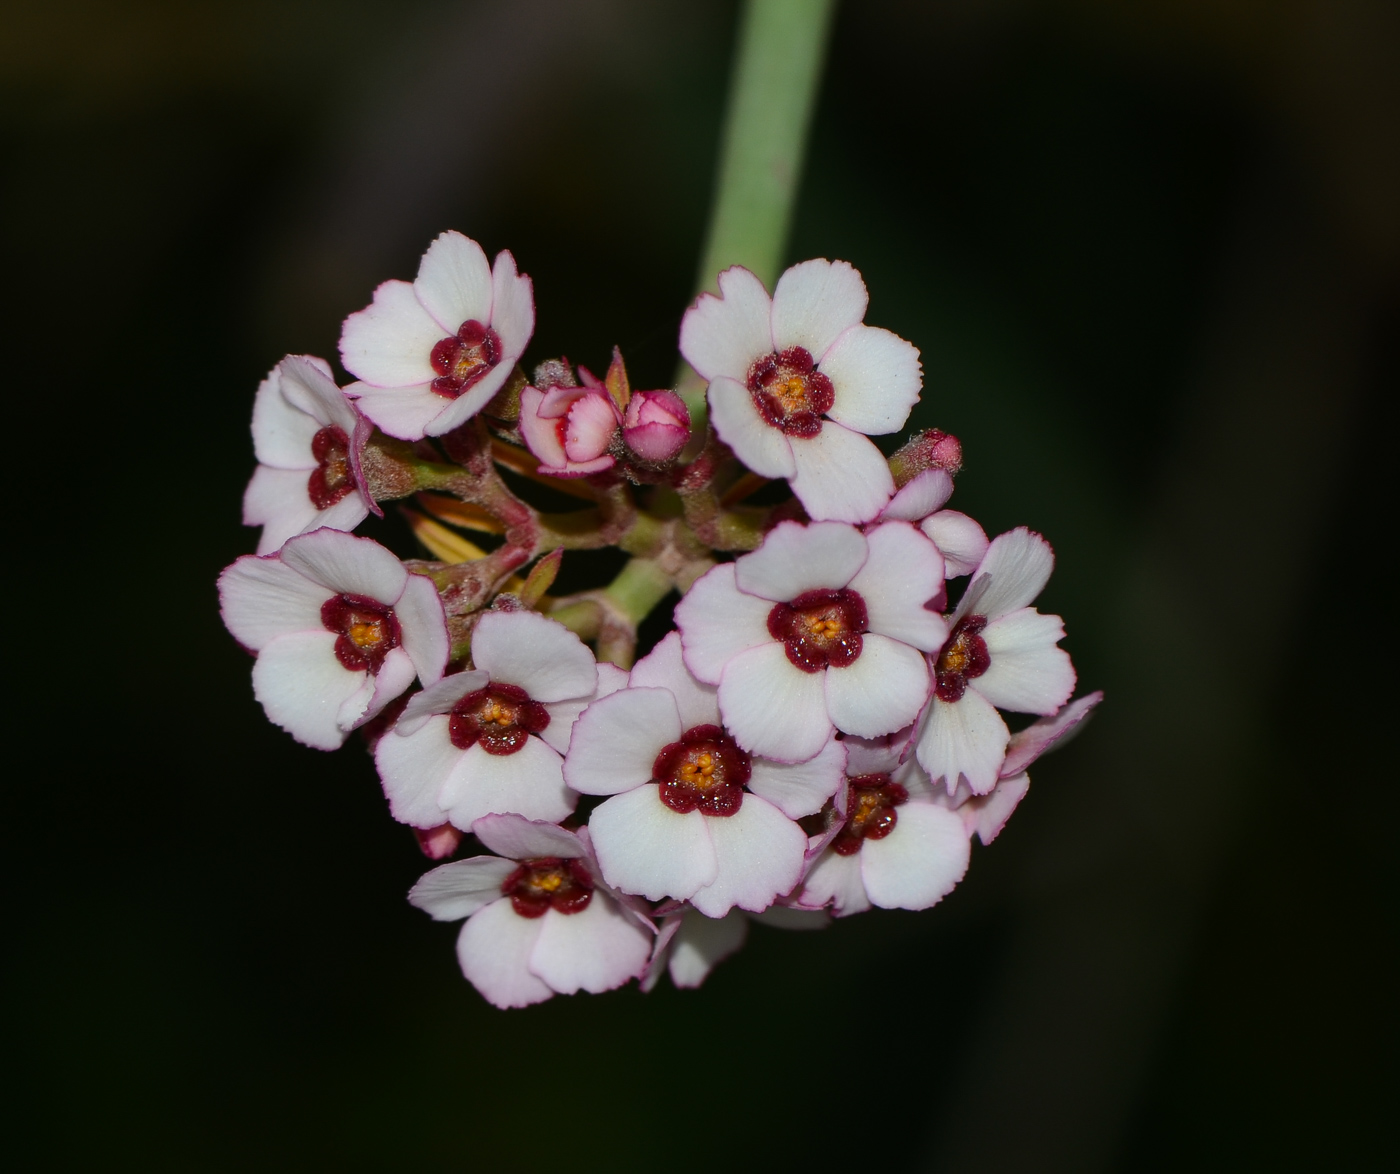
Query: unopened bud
657	425
931	449
438	843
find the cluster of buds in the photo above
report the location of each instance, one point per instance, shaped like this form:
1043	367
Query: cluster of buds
821	733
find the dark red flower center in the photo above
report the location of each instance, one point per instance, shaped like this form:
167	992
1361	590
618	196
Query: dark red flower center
964	657
820	628
500	717
706	771
331	479
367	630
872	813
789	392
540	885
464	358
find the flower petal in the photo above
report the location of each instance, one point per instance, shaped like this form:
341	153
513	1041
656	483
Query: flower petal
413	769
760	853
494	949
563	714
346	564
966	737
405	412
390	342
307	385
903	573
814	303
424	627
512	308
773	708
1028	674
664	668
836	881
592	422
724	335
518	838
920	497
616	741
962	541
1047	734
702	943
986	815
458	411
454	282
395	674
920	862
717	621
1017	565
282	433
876	377
438	698
277	500
529	783
763	448
798	789
795	559
263	598
302	686
595	949
874	756
457	890
539	655
840	475
882	691
646	848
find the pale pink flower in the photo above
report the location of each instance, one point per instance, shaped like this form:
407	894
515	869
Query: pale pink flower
692	815
822	628
570	429
308	437
896	847
689	945
796	380
1000	653
540	921
340	629
656	426
491	739
960	540
431	354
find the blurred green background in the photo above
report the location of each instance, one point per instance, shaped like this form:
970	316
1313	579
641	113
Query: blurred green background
1151	254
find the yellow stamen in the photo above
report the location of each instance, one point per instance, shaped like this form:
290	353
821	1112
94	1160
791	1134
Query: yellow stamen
367	633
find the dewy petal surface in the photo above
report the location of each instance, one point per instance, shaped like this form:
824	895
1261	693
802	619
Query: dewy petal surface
454	282
263	598
903	572
760	853
344	563
883	691
302	686
772	708
646	848
814	303
413	769
616	740
961	540
594	950
718	621
390	342
801	788
664	668
1019	563
518	838
528	783
920	862
1028	674
795	559
876	376
494	949
840	475
424	627
539	655
966	737
724	335
457	890
763	448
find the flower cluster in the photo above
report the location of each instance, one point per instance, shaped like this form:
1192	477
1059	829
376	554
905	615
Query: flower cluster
821	732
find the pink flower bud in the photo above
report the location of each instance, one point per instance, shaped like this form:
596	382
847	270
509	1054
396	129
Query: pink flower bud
570	429
657	425
438	843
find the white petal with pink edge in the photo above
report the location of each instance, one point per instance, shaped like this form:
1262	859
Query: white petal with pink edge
277	500
457	412
772	707
282	432
563	714
616	740
986	815
302	686
527	783
1040	737
876	377
795	559
801	788
717	621
965	737
519	838
537	654
413	769
307	385
836	881
404	412
1018	565
763	448
438	698
646	848
595	949
961	540
263	598
760	853
1028	674
724	335
457	890
396	673
494	950
814	303
512	308
920	862
701	943
874	756
424	627
347	565
664	668
840	475
903	573
882	691
454	282
920	497
390	342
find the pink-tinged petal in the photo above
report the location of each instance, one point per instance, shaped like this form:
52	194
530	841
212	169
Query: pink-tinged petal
795	559
702	943
656	442
518	838
1049	733
646	848
986	815
563	714
457	890
263	598
773	708
282	432
874	756
717	621
922	496
345	514
1028	674
616	741
903	573
760	853
882	691
592	422
914	779
1017	566
920	862
966	737
454	282
876	376
346	564
541	432
594	950
395	674
457	412
962	541
424	627
302	686
438	698
660	951
840	475
814	303
413	769
527	783
405	412
763	448
308	386
836	881
724	335
512	309
798	789
276	500
539	655
664	668
438	843
494	950
389	343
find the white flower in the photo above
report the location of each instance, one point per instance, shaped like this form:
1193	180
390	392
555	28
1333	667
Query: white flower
960	540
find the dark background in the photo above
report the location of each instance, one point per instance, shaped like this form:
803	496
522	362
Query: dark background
1151	254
